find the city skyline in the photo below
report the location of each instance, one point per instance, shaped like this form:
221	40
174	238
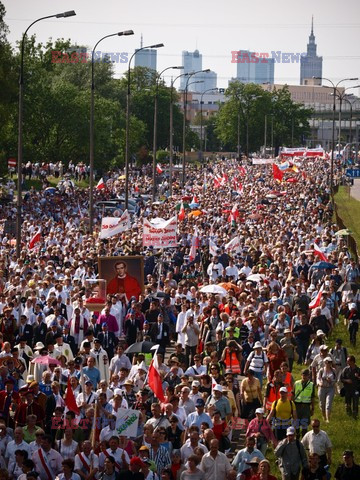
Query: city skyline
215	34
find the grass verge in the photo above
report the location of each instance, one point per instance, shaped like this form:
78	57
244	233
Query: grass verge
349	211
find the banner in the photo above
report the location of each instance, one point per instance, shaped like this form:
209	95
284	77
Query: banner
127	422
160	233
262	161
111	226
233	246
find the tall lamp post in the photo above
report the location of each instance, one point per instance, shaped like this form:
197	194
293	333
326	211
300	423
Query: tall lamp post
171	130
127	146
184	120
91	197
334	87
158	77
342	97
201	118
70	13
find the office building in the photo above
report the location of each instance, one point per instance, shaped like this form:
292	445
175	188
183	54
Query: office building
146	58
253	69
311	64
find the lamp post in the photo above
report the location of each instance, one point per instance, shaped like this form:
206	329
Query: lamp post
249	99
171	130
184	120
70	13
334	87
201	119
158	77
127	128
91	197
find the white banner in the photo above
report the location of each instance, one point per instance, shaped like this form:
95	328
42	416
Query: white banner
233	246
127	422
262	161
160	233
111	226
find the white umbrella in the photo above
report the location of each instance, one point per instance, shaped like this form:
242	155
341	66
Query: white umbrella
255	277
214	289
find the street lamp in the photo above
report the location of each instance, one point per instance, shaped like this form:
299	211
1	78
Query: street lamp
249	99
171	131
91	198
127	146
333	126
201	119
158	77
70	13
341	97
184	120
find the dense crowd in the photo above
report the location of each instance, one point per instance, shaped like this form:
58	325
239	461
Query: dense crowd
230	321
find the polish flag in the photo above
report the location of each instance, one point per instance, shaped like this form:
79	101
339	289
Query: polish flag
194	199
154	379
316	300
319	253
234	214
100	185
70	401
195	243
159	170
242	171
277	173
181	215
35	239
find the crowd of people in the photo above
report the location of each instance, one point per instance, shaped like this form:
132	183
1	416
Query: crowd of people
258	281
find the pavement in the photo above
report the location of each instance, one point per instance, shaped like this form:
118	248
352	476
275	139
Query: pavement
355	189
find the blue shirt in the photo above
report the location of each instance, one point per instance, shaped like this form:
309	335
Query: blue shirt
196	419
93	375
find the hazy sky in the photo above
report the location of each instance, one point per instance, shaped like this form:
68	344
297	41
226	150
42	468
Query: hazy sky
215	28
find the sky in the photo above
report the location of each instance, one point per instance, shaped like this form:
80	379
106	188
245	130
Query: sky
214	28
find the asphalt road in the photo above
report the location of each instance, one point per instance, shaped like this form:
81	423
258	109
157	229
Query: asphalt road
355	190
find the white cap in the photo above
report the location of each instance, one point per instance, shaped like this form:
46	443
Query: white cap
257	345
328	359
218	388
195	383
323	347
352	305
142	366
39	346
259	410
319	333
283	389
290	431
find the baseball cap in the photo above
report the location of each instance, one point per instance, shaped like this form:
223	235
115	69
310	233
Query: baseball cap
199	403
283	390
143	447
259	410
290	431
136	461
319	333
195	383
323	347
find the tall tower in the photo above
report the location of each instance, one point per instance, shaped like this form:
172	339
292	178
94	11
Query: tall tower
311	64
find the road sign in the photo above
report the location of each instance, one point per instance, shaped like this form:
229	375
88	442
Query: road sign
11	162
353	172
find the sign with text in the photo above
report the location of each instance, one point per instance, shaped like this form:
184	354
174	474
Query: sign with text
160	233
111	226
127	422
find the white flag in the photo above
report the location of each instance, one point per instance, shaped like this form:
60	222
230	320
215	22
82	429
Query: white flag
111	226
233	246
213	248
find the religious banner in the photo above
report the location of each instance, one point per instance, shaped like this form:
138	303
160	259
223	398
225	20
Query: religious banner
127	422
160	233
111	226
124	275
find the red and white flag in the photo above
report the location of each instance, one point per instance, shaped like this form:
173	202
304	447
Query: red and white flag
316	301
319	253
181	215
101	184
194	199
35	239
70	401
154	378
242	171
159	170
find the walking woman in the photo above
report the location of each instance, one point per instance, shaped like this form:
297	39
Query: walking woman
250	394
326	380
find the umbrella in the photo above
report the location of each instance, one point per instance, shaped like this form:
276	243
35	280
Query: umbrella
323	265
255	277
348	286
213	289
140	347
228	286
178	206
193	205
271	195
343	233
46	360
50	190
195	213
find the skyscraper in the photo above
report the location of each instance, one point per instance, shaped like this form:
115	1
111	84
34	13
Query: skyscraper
253	69
311	64
192	62
146	58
